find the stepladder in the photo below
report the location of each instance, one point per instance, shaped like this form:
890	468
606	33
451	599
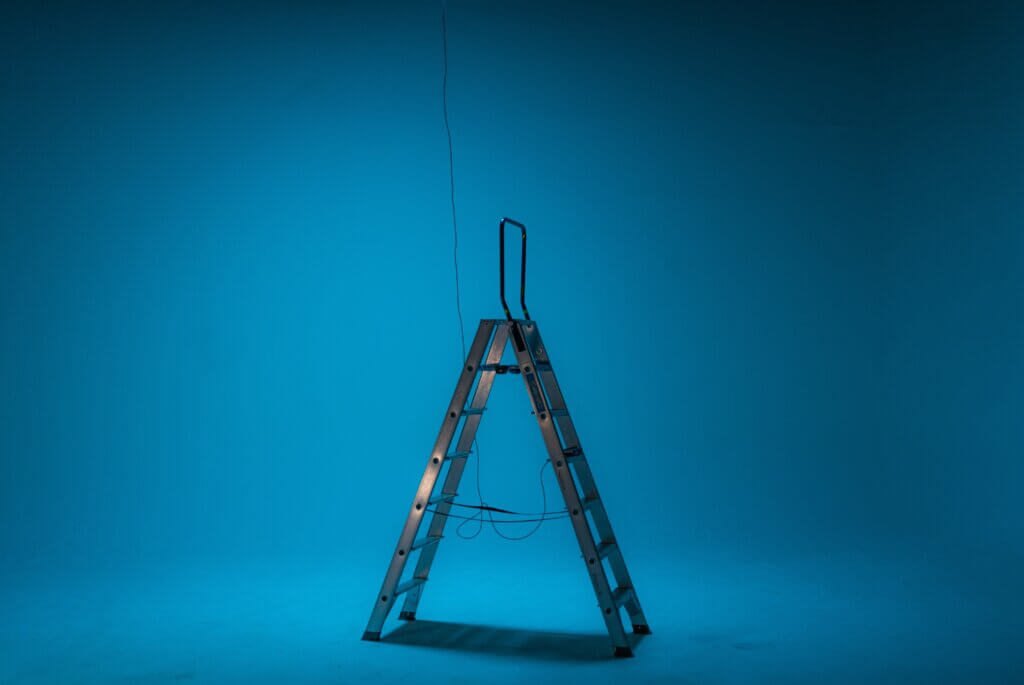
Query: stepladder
600	549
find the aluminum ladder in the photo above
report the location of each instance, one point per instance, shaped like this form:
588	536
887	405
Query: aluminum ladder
569	462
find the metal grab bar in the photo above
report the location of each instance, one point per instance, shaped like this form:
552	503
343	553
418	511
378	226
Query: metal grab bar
522	272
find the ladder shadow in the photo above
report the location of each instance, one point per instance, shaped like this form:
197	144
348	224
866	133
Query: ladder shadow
513	642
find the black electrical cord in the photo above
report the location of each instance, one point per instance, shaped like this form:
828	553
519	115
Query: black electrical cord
474	518
516	520
540	521
482	507
455	236
451	174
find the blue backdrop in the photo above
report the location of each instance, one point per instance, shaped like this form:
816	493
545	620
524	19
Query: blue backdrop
775	252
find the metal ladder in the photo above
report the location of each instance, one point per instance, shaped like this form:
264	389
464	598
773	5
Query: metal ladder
575	479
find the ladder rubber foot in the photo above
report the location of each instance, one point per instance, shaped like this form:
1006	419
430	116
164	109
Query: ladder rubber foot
623	652
371	636
641	629
411	616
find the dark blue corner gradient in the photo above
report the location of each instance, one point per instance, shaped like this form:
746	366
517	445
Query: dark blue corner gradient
776	252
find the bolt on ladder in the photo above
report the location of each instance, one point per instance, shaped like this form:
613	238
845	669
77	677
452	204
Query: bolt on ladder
575	479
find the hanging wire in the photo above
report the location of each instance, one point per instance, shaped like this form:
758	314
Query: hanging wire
455	247
451	175
482	507
540	521
474	518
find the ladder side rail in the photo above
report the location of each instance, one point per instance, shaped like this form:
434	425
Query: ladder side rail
553	391
616	558
577	516
451	483
588	486
385	599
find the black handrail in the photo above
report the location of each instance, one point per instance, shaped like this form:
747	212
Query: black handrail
522	273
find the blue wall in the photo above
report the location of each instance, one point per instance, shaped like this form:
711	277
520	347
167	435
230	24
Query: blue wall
953	324
776	255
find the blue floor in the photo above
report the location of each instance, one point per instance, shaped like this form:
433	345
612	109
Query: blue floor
528	621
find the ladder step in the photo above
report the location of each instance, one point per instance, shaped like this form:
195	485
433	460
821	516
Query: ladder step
426	540
471	412
622	595
572	454
590	502
603	550
543	366
457	455
443	497
559	412
408	585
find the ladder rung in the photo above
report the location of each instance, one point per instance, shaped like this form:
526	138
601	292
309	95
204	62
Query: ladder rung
426	540
470	412
543	366
572	454
622	595
408	585
443	497
603	550
458	455
559	412
590	502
